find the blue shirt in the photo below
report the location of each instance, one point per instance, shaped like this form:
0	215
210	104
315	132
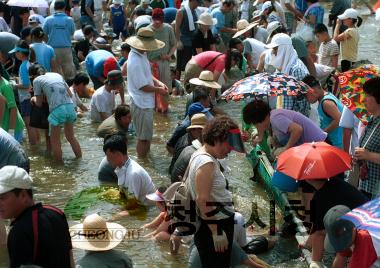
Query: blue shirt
95	60
44	54
59	28
335	136
169	14
301	5
118	17
318	12
23	73
217	14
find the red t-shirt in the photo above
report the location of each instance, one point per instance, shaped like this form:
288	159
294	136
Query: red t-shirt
202	59
364	254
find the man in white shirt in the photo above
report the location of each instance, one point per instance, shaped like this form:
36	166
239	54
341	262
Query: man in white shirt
103	101
131	177
142	86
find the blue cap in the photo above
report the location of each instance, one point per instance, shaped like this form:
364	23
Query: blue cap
18	49
196	108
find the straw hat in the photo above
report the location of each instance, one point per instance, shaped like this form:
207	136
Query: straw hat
144	40
244	26
206	19
206	79
95	234
198	121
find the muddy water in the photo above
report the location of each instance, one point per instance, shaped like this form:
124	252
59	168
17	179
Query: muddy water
55	184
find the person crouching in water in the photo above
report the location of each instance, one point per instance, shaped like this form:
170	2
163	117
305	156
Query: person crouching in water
162	222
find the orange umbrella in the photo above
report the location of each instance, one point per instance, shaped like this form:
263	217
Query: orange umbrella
316	160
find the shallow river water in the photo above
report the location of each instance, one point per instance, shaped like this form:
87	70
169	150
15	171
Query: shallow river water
55	184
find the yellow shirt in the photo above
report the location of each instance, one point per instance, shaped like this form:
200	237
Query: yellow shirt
349	47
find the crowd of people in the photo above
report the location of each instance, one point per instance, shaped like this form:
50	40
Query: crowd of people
154	51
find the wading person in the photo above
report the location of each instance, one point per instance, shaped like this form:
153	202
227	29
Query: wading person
61	108
39	234
142	87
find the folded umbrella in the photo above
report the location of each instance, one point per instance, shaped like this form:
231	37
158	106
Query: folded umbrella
316	160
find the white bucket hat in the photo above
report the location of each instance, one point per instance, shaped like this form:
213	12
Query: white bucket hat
349	13
144	40
95	234
206	79
243	26
279	39
12	177
206	19
117	2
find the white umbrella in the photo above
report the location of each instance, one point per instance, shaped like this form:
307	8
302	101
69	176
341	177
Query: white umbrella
28	3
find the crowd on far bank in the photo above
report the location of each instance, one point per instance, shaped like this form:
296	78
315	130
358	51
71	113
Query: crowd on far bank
145	54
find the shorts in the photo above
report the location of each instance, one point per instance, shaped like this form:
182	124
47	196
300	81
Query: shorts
183	57
124	33
64	113
143	122
65	62
25	108
192	70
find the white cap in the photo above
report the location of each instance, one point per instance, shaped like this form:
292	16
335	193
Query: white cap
272	26
279	39
349	13
116	2
78	35
266	5
12	177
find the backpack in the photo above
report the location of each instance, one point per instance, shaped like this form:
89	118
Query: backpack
182	209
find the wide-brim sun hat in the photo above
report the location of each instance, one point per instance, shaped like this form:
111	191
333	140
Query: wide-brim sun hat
279	39
144	40
349	13
244	26
206	19
95	234
206	79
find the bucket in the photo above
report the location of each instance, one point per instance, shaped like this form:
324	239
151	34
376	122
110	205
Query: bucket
284	182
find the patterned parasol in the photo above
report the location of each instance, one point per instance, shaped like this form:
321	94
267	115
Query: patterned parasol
351	87
265	84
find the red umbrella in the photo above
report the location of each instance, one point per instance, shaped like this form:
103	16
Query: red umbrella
316	160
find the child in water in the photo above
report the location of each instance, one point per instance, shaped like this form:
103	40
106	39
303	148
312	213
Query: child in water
161	223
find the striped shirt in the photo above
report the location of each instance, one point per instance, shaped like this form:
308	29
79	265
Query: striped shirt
326	51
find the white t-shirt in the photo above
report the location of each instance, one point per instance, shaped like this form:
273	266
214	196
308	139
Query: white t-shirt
134	179
240	235
102	102
75	98
254	48
349	120
140	75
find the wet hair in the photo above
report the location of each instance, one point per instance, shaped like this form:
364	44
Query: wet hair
81	78
122	110
234	42
228	3
371	87
217	129
17	192
23	44
36	69
60	4
311	81
25	32
115	143
200	93
37	33
255	112
233	54
125	47
87	29
23	10
320	28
